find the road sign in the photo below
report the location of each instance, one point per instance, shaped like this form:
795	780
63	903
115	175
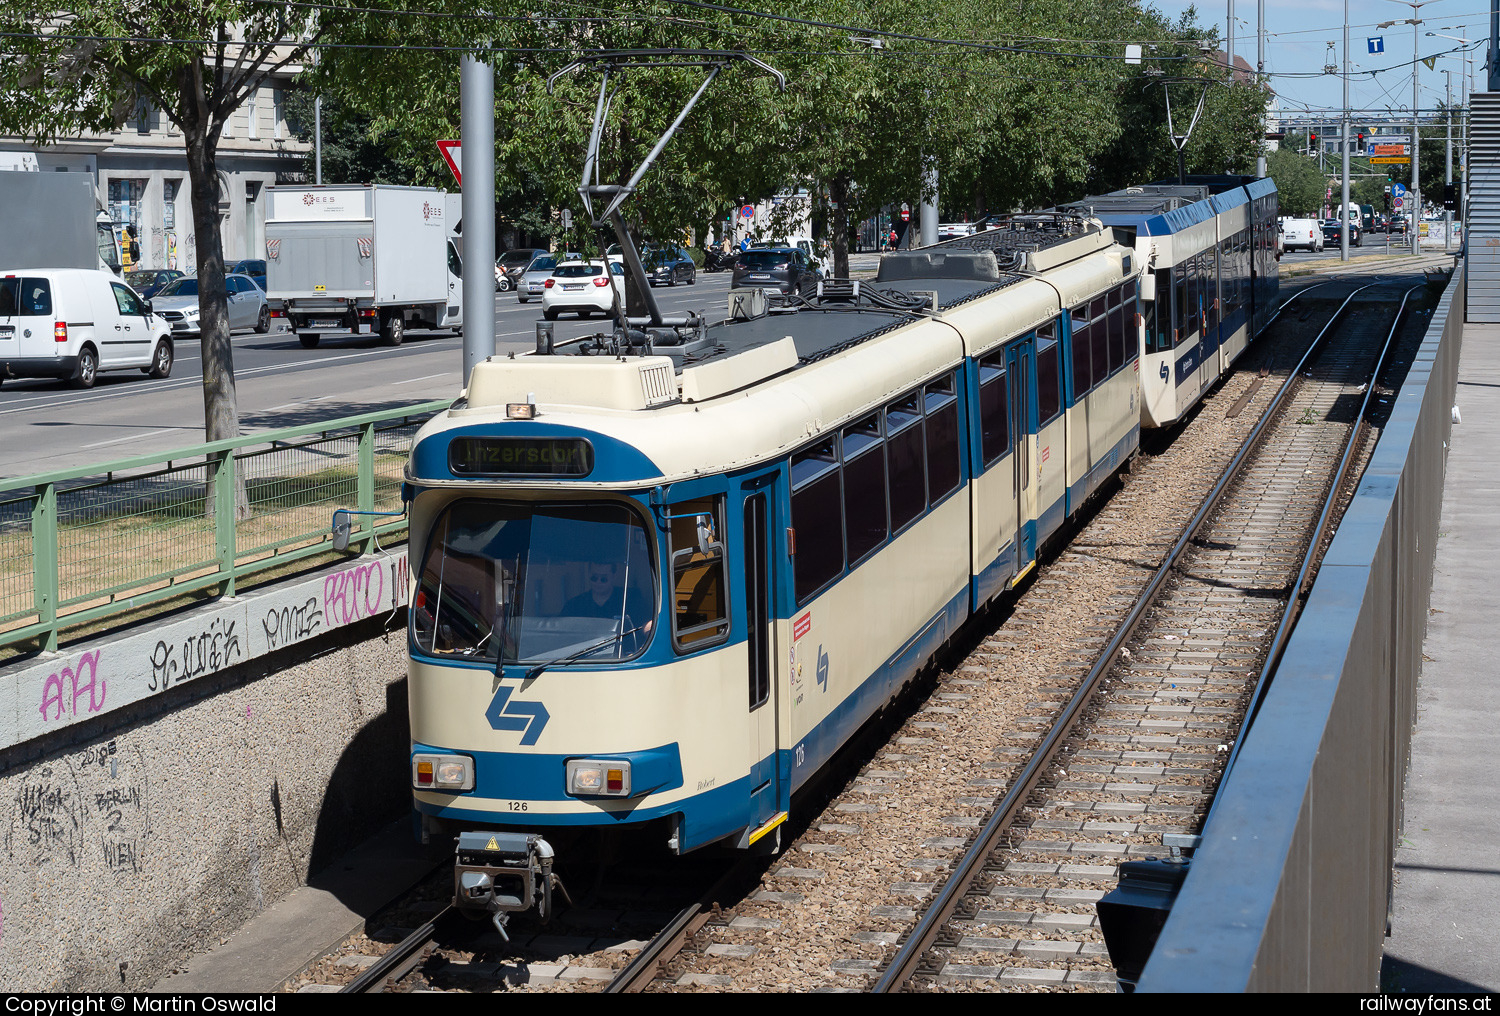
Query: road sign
748	211
1398	189
1391	160
1377	44
1398	202
905	212
452	155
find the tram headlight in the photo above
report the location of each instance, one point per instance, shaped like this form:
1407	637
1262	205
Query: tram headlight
442	772
598	778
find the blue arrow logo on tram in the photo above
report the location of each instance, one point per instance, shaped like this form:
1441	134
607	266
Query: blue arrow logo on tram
529	717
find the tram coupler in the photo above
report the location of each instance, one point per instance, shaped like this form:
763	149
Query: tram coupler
496	874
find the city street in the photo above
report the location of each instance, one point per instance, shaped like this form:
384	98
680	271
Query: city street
49	426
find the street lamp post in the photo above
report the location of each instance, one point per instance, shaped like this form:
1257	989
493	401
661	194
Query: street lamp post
1344	144
1416	127
1448	166
1468	86
1260	72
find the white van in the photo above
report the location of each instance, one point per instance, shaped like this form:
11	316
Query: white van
1302	234
72	323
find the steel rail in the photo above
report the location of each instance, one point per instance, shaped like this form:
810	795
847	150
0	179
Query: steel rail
904	964
1299	587
402	959
641	970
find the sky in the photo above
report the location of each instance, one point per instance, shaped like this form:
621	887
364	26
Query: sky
1297	44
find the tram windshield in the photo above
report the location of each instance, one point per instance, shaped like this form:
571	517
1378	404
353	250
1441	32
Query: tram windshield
536	582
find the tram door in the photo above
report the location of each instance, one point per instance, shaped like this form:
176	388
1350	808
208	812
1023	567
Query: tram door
760	628
1020	371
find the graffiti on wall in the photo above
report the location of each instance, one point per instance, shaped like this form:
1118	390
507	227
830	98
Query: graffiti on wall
90	807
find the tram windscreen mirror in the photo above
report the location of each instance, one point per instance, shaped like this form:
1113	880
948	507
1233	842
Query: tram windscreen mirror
520	456
342	526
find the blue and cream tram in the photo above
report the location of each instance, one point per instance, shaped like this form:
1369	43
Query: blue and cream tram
1210	281
664	583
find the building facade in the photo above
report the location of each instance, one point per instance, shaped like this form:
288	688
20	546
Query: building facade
141	179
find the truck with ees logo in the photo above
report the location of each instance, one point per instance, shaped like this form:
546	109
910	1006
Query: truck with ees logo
355	259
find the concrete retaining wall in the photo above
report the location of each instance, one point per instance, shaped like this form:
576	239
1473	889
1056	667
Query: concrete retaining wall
1290	889
163	786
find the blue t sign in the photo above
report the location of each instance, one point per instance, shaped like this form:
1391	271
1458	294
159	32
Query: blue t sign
1377	44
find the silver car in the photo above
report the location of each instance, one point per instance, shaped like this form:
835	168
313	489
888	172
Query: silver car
534	279
178	304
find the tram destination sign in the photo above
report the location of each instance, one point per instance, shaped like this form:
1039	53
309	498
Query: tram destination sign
520	456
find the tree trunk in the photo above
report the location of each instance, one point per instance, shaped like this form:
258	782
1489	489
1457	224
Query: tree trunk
220	407
221	415
838	193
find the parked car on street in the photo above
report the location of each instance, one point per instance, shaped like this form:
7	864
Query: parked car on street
147	282
178	304
783	271
584	287
74	323
254	268
533	280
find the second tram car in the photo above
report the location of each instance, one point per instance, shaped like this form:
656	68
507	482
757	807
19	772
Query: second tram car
665	582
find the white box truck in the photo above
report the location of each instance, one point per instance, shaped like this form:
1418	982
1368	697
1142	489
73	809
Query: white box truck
347	258
52	220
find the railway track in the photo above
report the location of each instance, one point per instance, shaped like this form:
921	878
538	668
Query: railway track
1139	767
1138	762
1113	769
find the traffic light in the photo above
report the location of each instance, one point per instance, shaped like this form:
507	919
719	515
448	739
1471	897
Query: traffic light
1361	136
1450	197
1312	140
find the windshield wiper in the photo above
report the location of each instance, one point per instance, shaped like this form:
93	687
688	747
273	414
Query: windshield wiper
536	671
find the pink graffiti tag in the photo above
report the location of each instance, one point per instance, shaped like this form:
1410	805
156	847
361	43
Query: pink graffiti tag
82	679
354	593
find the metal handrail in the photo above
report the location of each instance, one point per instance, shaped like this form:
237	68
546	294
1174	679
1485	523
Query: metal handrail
130	533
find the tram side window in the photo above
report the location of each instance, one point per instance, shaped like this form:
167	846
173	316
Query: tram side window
700	608
864	488
1180	304
1099	338
908	463
1048	379
1116	331
994	421
817	519
1080	349
941	399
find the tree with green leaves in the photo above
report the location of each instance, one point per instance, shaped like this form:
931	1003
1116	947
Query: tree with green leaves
81	66
1300	185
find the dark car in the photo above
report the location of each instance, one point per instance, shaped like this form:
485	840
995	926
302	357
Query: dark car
254	268
778	270
1333	227
667	266
147	282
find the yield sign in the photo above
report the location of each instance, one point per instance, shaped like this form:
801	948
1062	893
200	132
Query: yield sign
451	155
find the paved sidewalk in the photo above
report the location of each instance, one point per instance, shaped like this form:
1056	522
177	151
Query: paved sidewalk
1447	895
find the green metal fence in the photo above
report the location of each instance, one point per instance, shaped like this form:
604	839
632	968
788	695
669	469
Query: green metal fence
81	546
